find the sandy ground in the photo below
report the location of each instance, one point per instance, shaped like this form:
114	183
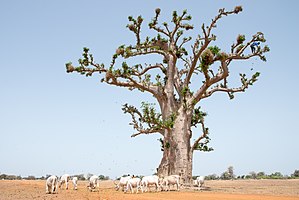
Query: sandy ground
213	190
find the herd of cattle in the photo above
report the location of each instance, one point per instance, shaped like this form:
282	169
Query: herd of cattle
126	183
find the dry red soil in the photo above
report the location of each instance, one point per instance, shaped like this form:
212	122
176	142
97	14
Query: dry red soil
213	190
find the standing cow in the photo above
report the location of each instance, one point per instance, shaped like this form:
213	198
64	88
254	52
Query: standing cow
170	180
64	179
199	181
148	181
132	183
51	184
122	182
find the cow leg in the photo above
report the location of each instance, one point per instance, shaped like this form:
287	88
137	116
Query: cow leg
47	189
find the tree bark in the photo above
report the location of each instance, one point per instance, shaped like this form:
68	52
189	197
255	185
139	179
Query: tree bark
177	155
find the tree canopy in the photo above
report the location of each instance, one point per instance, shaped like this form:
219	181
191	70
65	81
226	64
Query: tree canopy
170	43
170	81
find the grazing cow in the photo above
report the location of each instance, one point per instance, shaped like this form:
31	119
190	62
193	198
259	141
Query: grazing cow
94	182
74	181
122	182
150	180
133	182
199	181
64	179
170	180
51	184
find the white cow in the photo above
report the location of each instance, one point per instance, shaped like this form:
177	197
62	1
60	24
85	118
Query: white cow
74	181
199	181
51	184
150	180
122	182
64	179
133	183
94	182
170	180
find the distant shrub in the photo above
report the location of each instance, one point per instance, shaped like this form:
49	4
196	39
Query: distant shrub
212	177
80	177
9	177
102	177
229	174
30	178
276	175
296	174
253	175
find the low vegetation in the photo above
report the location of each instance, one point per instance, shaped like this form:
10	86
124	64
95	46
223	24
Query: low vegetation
227	175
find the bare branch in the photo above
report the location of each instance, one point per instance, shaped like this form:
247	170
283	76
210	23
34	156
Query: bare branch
210	81
147	122
153	24
146	50
177	82
238	48
135	26
207	39
157	66
146	132
201	137
182	72
223	88
187	65
185	40
223	72
113	77
134	84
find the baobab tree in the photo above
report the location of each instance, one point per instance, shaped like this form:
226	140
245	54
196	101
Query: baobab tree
178	112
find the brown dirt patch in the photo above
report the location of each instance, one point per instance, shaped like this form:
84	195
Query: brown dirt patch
214	190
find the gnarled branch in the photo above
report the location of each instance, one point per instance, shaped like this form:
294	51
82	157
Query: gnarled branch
230	91
208	37
202	146
148	121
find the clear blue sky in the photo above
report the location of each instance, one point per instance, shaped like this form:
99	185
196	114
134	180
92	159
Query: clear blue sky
52	122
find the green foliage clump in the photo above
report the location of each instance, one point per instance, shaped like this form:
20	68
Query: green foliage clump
253	79
154	119
69	67
197	116
240	39
203	147
221	56
207	58
149	113
214	49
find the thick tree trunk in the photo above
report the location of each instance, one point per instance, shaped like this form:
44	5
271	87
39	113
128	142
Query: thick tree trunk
177	155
